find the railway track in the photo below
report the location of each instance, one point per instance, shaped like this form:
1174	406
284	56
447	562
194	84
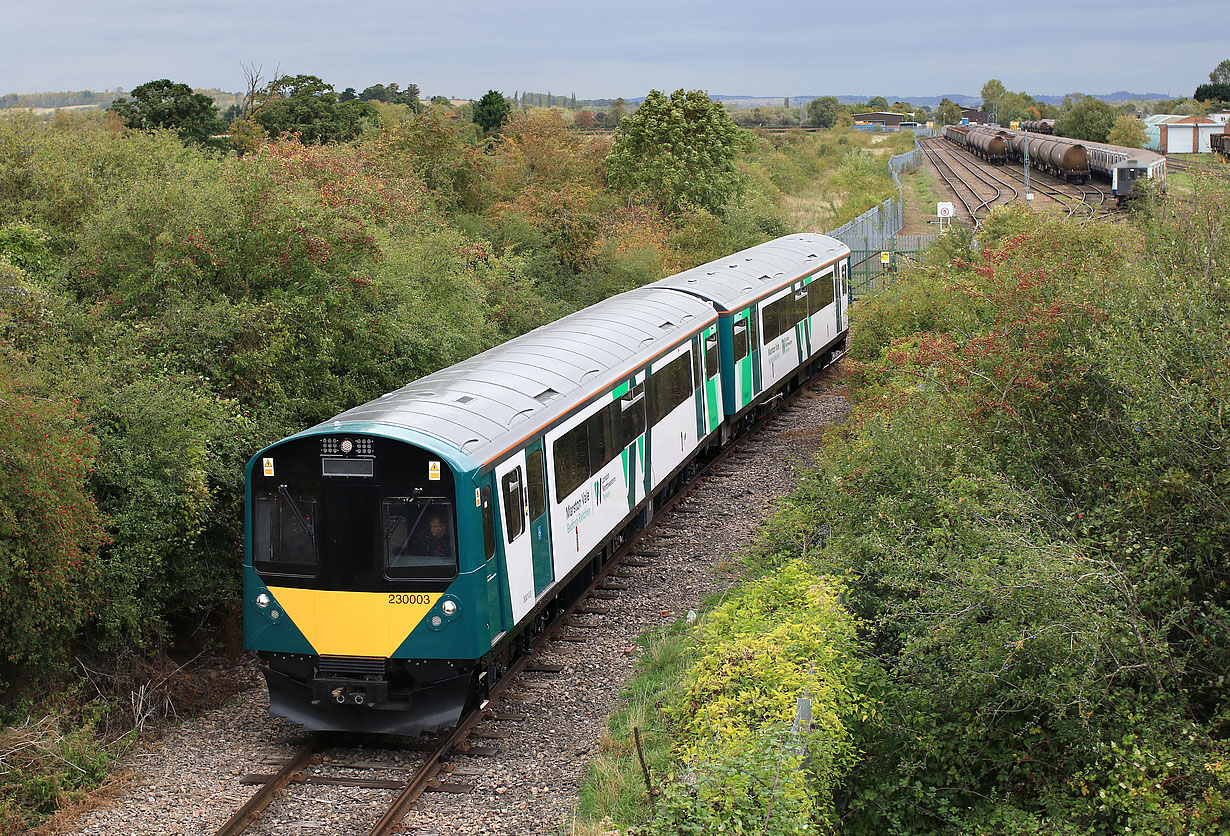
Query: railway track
431	770
969	195
1086	203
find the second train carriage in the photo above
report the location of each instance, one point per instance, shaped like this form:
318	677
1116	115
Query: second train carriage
396	552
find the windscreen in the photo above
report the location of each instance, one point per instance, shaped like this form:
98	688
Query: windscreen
371	515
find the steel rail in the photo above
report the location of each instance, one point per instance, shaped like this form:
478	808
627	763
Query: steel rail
248	813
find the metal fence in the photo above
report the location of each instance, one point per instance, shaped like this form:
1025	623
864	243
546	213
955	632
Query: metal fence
877	249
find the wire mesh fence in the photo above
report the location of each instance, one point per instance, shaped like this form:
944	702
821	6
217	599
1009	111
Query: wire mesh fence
877	249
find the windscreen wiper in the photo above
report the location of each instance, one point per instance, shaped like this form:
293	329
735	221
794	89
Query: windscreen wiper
304	520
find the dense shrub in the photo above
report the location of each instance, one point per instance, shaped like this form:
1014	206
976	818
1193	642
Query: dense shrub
1026	503
741	768
50	527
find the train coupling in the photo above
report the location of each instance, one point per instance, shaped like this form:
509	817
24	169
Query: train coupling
349	691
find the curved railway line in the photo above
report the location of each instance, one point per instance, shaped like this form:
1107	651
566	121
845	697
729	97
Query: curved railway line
1086	203
431	771
942	158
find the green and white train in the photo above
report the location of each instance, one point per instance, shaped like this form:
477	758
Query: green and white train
398	554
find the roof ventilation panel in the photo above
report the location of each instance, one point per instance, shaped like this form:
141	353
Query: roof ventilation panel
667	325
465	399
546	396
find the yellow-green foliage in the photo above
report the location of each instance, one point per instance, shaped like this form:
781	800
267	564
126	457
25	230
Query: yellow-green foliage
759	651
779	638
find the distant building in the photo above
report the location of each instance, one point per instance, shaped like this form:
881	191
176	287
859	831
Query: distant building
882	118
1180	134
975	117
1220	118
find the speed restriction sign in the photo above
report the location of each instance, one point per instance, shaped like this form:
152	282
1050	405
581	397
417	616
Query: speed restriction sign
945	210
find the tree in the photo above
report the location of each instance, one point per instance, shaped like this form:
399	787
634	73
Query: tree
822	112
348	95
678	152
948	113
1014	107
584	120
491	112
616	113
1221	73
306	105
992	92
1216	92
167	104
375	93
877	104
1128	132
1090	120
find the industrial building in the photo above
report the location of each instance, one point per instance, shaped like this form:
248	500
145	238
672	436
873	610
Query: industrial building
1180	134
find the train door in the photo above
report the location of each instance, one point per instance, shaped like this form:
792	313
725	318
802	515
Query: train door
511	494
713	389
495	597
745	341
843	299
803	335
540	526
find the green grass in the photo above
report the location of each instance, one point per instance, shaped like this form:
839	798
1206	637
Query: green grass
922	186
614	793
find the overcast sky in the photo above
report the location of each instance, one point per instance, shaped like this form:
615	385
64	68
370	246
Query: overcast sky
623	48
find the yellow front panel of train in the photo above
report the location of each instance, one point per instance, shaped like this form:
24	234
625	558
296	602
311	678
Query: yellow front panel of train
354	623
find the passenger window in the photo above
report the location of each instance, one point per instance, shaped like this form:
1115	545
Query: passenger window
601	439
711	355
755	333
534	478
820	293
571	454
670	386
514	507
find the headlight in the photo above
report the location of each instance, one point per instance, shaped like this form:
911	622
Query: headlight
263	600
449	607
347	446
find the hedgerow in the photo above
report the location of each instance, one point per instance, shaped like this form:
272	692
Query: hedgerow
1027	502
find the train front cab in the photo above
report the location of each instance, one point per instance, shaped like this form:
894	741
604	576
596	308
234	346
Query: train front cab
369	580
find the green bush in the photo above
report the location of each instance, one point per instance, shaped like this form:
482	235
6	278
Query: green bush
50	526
1025	503
774	641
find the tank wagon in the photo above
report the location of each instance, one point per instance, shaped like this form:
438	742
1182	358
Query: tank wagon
988	145
957	134
398	555
1039	126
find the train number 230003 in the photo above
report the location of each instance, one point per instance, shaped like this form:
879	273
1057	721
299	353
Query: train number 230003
408	598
